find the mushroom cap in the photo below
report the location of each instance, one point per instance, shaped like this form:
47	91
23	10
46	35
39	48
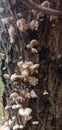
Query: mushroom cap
11	31
6	128
7	107
35	122
18	106
20	63
46	4
13	95
7	20
45	93
25	73
34	50
25	112
33	94
16	127
21	24
33	81
6	76
33	43
15	77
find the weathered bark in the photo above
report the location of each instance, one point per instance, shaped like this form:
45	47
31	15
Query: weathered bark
47	106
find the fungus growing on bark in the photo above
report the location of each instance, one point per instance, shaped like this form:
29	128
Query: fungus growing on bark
33	81
7	20
6	76
32	44
34	25
33	94
21	24
14	96
25	112
17	106
15	77
12	34
46	4
35	122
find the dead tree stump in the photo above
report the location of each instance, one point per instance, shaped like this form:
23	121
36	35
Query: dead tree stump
31	65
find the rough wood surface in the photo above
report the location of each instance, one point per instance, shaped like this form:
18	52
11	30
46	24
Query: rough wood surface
47	106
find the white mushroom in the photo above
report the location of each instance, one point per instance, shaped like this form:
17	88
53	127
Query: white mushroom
14	96
33	94
18	106
6	76
34	50
12	34
15	77
16	127
34	12
19	14
25	73
21	24
45	93
33	67
7	20
35	122
34	25
20	63
39	15
25	112
33	81
32	44
7	107
46	4
6	128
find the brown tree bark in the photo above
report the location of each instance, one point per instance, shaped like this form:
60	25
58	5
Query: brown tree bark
42	94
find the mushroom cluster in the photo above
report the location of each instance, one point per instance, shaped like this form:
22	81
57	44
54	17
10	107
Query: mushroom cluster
27	69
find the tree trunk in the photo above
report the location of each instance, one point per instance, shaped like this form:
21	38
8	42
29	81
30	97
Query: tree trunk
32	75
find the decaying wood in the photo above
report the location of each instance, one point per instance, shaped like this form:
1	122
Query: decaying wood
31	66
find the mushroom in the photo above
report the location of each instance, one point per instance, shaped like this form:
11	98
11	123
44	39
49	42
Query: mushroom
14	96
35	122
34	12
18	106
34	25
7	20
25	112
33	94
6	128
46	4
20	63
34	50
24	74
21	24
32	44
15	77
39	15
6	76
19	14
7	107
16	127
45	93
33	81
12	34
33	68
